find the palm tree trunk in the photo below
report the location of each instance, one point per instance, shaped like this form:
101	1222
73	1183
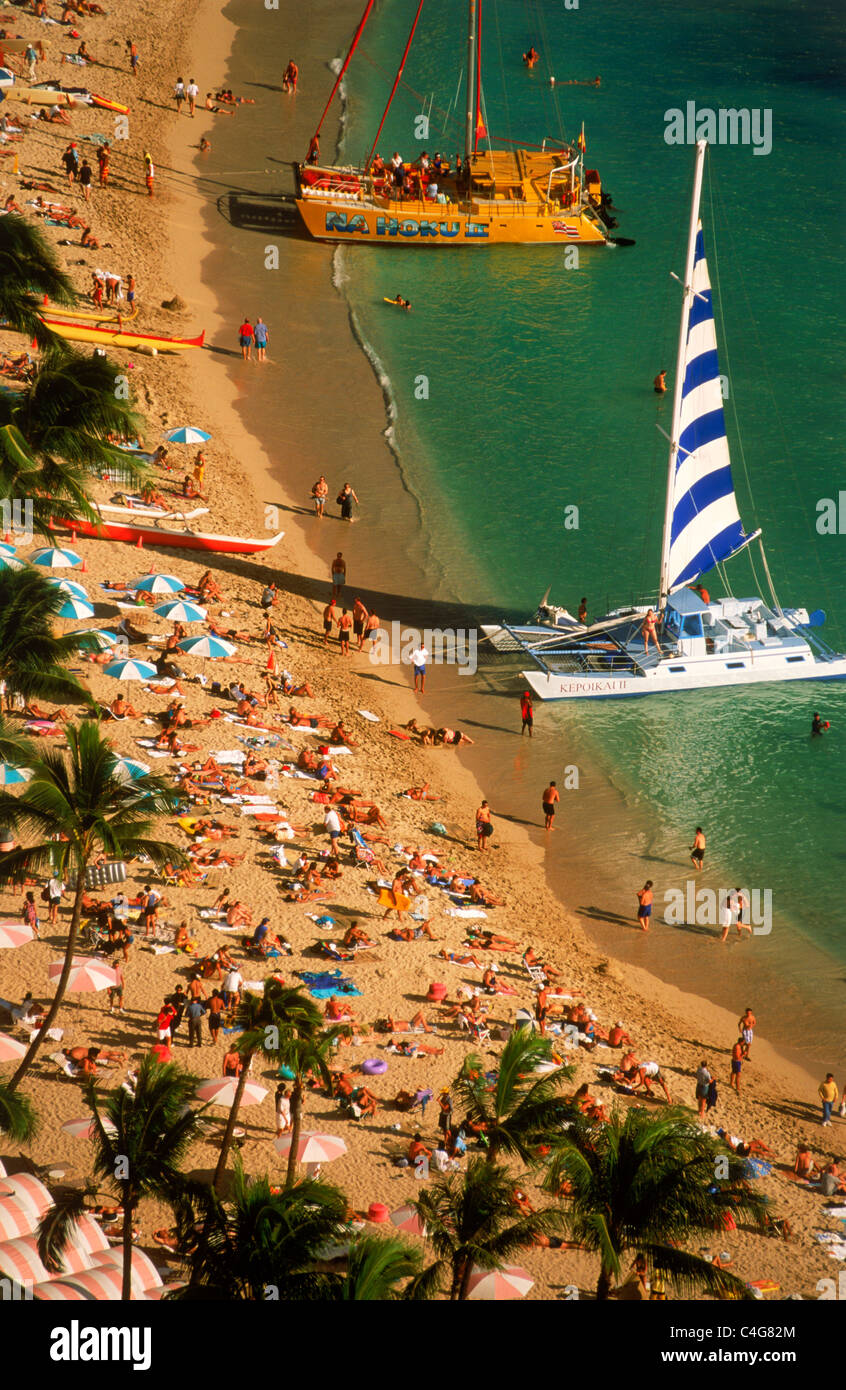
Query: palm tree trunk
73	931
220	1170
464	1286
603	1287
296	1126
126	1286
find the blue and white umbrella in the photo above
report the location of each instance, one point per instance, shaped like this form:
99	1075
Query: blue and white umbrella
6	548
187	434
131	670
11	562
11	776
128	769
53	558
158	584
102	637
75	607
69	586
181	612
206	646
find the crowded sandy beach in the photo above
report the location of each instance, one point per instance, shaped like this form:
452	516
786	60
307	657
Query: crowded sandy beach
253	901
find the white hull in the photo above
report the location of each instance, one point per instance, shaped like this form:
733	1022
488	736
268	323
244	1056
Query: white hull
707	674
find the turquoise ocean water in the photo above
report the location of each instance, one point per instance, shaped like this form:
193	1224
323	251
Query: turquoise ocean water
540	383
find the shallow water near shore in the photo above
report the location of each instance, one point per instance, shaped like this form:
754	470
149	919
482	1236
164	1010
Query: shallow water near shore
538	399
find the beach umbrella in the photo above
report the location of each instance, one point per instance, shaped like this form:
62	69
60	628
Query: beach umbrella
10	1051
29	1192
102	636
494	1285
13	934
222	1092
181	612
187	434
127	769
144	1272
406	1219
6	548
75	607
100	1285
12	776
84	1128
86	974
312	1147
54	558
69	586
131	670
16	1219
158	584
19	1260
206	646
11	562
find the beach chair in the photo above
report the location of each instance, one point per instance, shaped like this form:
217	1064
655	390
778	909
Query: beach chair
66	1066
536	974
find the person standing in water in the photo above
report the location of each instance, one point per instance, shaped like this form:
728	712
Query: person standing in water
550	797
527	713
645	898
345	499
659	385
582	614
697	849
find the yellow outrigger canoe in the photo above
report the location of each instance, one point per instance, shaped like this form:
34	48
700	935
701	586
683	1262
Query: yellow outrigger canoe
116	334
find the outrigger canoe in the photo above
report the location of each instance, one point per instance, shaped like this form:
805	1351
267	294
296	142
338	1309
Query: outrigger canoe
117	335
180	540
110	318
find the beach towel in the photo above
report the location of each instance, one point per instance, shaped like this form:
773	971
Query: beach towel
464	912
324	984
365	714
229	755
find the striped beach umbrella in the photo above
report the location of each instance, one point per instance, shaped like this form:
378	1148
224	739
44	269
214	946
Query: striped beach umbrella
312	1147
86	974
222	1092
10	1051
131	670
12	776
128	769
144	1272
102	1285
187	434
69	586
406	1219
11	562
206	646
102	637
6	548
75	607
84	1128
16	1219
20	1260
55	558
181	612
14	934
157	584
29	1191
495	1285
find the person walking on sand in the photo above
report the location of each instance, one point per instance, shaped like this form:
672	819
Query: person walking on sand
149	173
103	156
260	338
339	574
371	630
134	60
85	177
484	828
245	340
418	659
320	491
527	713
829	1095
345	623
179	95
703	1082
345	500
697	850
645	898
736	1065
746	1028
550	797
290	77
192	92
328	620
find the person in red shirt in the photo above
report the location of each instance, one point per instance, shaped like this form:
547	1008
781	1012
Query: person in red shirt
527	713
245	340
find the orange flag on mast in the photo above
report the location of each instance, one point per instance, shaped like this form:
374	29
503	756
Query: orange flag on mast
481	133
580	143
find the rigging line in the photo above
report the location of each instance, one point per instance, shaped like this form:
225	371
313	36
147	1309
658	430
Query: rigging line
503	82
545	44
403	86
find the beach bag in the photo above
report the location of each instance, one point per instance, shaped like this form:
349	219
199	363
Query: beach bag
437	829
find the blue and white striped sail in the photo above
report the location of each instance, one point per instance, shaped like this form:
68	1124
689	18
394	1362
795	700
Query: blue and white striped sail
706	526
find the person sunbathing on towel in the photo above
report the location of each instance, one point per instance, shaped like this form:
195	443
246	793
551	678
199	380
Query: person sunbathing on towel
230	634
238	915
411	933
255	767
421	793
289	686
366	1101
182	941
88	1057
489	941
409	1025
212	829
417	863
121	709
308	721
184	876
413	1049
493	984
455	959
35	711
151	497
365	813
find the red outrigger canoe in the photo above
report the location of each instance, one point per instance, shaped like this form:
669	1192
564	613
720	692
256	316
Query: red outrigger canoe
180	540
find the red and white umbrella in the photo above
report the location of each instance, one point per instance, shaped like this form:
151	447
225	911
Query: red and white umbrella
144	1273
16	1219
102	1285
497	1284
222	1092
312	1147
86	974
14	934
29	1192
406	1219
84	1128
10	1051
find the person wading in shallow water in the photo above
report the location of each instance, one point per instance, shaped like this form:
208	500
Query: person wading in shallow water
645	898
527	713
550	797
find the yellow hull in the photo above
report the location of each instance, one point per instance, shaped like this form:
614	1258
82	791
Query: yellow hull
119	337
478	223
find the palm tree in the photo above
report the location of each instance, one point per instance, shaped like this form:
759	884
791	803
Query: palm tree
77	807
15	748
376	1267
470	1221
150	1132
29	269
55	431
522	1109
261	1243
30	653
304	1050
647	1183
18	1117
263	1021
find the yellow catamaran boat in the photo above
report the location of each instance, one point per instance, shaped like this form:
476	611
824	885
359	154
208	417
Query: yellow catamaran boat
495	197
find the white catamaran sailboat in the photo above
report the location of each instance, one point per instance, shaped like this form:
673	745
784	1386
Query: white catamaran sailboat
701	644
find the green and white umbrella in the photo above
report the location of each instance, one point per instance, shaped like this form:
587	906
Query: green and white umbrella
75	607
55	558
131	670
181	612
206	646
12	776
157	584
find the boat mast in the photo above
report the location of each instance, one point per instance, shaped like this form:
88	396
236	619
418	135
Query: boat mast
678	385
469	132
